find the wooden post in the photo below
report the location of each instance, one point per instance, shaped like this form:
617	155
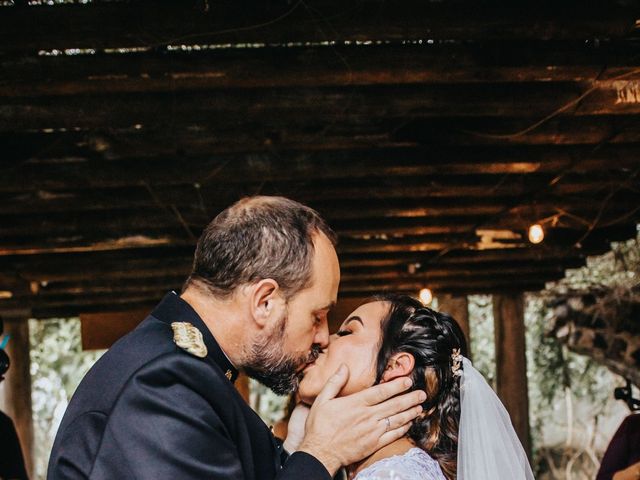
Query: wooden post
242	385
458	308
17	386
511	362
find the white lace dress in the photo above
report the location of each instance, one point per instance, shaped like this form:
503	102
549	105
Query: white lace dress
415	464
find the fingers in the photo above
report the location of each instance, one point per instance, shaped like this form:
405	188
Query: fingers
401	419
393	435
379	393
400	404
333	386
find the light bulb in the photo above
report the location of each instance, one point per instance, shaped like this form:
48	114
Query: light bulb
426	296
536	233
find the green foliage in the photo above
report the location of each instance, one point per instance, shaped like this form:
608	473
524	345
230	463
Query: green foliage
557	376
268	405
483	349
619	267
572	410
57	366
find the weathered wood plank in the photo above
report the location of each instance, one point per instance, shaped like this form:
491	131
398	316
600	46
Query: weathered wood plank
511	362
320	66
120	296
135	281
321	166
281	107
431	218
151	23
208	197
131	267
389	132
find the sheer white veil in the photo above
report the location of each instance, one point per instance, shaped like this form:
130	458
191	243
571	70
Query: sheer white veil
488	447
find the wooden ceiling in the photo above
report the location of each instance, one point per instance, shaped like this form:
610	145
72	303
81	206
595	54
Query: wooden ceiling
429	134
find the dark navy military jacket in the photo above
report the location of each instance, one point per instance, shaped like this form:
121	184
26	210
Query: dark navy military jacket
150	410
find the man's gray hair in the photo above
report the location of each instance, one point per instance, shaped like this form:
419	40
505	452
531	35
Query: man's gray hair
256	238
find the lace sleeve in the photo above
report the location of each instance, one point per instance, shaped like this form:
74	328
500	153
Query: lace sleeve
413	465
386	474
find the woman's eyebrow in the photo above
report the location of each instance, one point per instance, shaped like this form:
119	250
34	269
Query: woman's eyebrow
352	319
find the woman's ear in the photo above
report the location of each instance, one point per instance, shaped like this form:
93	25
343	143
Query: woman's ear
400	365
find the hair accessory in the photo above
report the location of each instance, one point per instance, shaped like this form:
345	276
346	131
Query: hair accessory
456	359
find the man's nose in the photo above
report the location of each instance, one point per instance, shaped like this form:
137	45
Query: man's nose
322	335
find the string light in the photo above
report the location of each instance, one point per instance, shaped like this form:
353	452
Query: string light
426	297
536	233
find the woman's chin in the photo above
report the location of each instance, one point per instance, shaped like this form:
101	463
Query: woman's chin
307	393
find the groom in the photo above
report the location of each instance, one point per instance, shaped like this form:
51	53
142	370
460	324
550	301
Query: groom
160	403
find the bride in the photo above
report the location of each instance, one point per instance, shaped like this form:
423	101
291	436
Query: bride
464	431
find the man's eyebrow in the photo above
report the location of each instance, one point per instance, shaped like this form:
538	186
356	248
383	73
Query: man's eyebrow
354	319
328	307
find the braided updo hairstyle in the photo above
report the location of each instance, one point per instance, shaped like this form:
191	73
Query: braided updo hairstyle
430	337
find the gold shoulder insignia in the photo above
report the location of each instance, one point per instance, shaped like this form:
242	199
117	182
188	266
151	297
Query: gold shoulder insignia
189	338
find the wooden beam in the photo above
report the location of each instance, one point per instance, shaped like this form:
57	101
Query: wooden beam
447	285
461	220
441	162
121	282
175	262
62	275
209	198
511	362
63	237
201	139
319	66
145	299
416	218
281	107
458	307
147	23
562	130
17	386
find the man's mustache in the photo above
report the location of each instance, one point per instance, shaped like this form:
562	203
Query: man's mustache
315	352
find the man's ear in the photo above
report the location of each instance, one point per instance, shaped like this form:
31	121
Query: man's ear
266	301
399	365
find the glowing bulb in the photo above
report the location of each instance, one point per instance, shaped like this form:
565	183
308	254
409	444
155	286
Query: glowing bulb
536	233
426	296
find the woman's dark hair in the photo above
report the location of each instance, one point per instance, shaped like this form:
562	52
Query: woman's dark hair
430	337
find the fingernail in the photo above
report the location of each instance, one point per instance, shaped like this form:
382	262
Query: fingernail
419	409
408	382
423	396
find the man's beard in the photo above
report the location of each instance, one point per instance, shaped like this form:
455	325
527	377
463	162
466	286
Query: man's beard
272	367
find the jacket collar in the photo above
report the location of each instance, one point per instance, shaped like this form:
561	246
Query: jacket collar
172	308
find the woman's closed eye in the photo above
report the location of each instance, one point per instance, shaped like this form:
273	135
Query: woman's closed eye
342	333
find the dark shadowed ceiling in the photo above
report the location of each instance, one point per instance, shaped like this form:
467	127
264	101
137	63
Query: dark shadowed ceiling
429	134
